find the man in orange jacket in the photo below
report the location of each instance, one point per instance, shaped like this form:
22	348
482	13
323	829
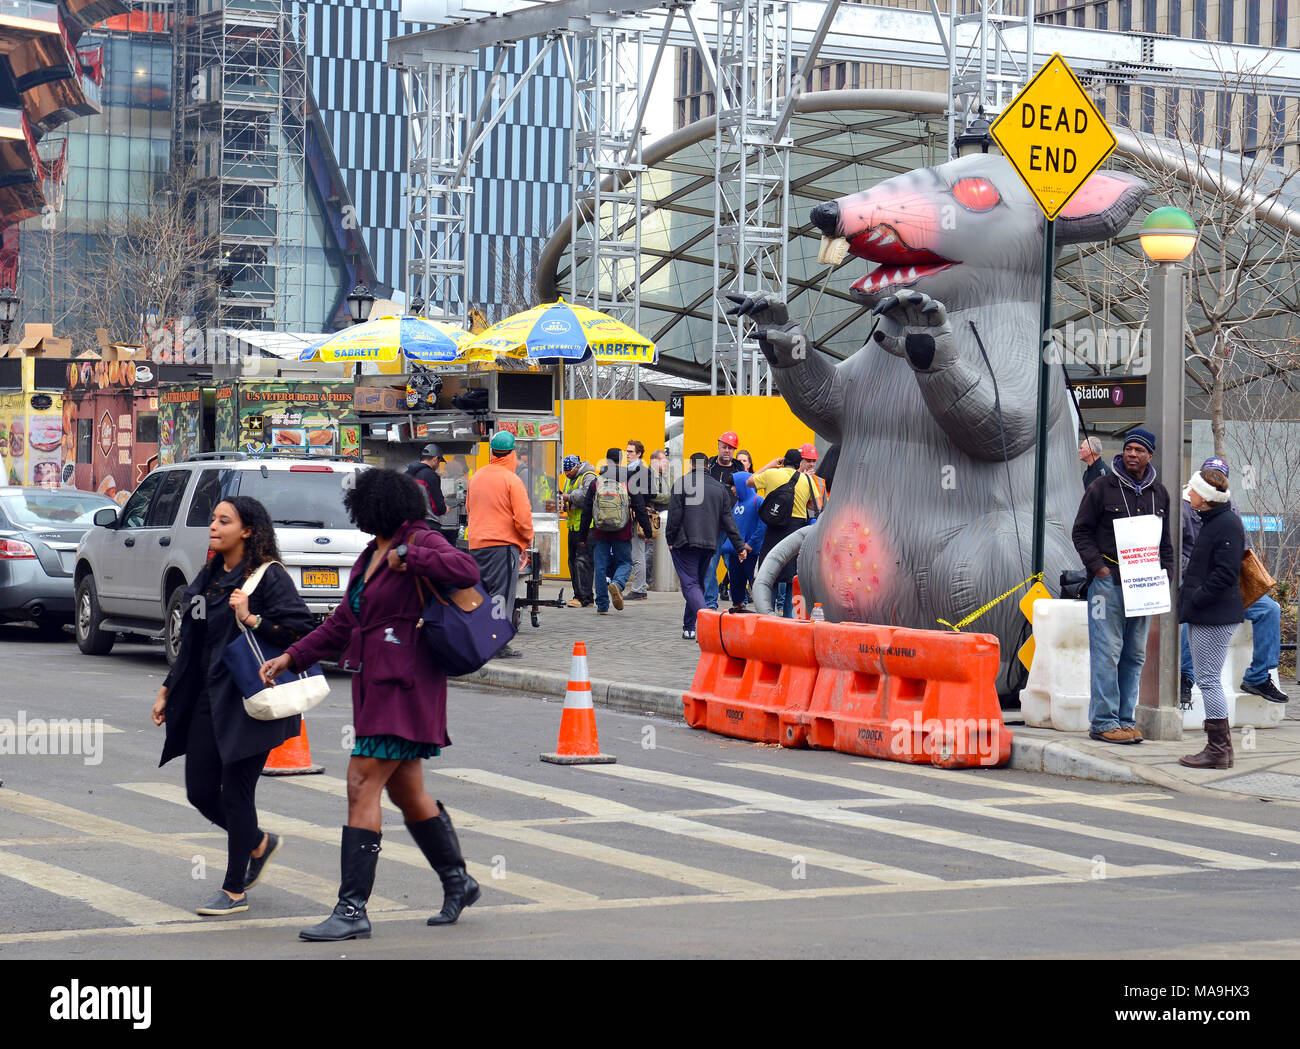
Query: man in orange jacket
500	525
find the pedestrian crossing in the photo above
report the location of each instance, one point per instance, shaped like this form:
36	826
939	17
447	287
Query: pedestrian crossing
621	836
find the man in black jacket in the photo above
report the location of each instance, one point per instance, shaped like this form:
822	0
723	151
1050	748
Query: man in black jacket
700	508
425	472
1090	456
1117	644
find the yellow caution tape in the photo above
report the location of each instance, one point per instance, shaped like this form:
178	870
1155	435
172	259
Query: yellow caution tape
1036	577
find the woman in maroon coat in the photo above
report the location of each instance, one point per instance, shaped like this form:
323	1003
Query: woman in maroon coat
399	695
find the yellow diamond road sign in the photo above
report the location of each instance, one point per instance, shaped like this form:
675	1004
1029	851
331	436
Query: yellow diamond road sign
1053	136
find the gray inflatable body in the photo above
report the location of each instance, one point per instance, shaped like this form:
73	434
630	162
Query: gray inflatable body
931	515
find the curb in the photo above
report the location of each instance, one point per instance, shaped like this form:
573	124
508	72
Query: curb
616	695
1058	759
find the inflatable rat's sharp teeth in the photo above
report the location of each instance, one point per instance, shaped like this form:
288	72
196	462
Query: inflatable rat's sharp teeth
875	235
833	251
885	240
911	274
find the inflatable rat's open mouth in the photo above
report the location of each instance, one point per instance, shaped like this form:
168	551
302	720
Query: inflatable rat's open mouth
900	265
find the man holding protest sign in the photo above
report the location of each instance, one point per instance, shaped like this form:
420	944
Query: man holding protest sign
1122	535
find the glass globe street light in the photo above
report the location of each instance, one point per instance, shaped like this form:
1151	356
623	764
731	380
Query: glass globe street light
1168	237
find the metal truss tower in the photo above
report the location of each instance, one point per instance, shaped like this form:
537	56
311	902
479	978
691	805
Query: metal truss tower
990	57
753	77
437	267
606	68
241	121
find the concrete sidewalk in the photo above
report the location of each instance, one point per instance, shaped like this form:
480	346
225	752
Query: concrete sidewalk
640	664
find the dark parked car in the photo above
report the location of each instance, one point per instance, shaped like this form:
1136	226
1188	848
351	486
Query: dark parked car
39	532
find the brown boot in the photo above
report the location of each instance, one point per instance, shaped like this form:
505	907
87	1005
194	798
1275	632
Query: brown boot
1218	748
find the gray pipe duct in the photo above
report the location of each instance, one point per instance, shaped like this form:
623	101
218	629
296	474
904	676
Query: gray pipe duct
786	551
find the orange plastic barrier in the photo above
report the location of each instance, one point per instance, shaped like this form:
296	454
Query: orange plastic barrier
292	757
753	669
918	696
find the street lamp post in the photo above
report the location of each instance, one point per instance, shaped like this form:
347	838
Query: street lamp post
1168	236
8	312
360	303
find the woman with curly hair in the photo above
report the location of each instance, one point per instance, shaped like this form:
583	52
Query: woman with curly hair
225	749
399	694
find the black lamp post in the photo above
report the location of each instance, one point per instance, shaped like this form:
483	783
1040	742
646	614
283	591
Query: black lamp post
976	138
417	306
8	311
360	303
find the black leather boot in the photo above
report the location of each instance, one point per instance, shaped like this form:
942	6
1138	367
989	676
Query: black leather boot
437	840
358	860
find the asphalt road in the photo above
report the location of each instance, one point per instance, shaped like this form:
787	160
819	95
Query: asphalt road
691	846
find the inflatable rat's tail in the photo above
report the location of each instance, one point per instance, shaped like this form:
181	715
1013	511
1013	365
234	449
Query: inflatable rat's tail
786	551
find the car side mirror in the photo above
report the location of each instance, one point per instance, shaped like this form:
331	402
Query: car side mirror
106	518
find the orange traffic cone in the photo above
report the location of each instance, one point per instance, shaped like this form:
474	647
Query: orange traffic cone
577	744
292	757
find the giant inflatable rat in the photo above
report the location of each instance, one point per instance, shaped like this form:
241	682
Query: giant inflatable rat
932	515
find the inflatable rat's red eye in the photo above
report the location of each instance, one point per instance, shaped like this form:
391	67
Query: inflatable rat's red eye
976	193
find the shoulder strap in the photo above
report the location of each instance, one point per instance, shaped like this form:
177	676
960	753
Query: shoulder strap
250	584
812	498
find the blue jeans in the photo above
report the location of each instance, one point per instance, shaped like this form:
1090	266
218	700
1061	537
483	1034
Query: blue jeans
711	576
1117	648
603	552
1265	616
783	598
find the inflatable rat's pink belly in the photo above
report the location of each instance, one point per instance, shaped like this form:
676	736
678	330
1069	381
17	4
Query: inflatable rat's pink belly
856	562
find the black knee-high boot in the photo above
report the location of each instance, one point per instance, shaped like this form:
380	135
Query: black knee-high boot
359	857
437	840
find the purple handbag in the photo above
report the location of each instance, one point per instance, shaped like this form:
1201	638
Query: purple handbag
461	628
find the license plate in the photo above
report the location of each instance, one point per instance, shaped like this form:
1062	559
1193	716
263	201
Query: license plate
321	577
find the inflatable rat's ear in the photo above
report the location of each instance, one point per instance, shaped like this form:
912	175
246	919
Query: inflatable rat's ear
1101	208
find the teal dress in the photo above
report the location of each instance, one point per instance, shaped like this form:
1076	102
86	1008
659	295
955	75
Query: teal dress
389	748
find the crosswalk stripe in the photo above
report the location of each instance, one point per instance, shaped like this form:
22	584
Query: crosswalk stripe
1080	867
1119	804
121	903
176	847
523	886
1210	857
656	866
673	824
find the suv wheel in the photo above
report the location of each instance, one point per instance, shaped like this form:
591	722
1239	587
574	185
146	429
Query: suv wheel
172	627
90	638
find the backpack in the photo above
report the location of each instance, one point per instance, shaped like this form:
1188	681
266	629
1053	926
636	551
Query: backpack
613	505
778	506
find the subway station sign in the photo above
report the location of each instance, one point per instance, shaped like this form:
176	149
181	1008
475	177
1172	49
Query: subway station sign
1053	136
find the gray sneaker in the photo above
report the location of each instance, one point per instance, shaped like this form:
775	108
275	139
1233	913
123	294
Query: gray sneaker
221	905
1267	689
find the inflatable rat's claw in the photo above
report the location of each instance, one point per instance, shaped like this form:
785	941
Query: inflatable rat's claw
744	305
885	306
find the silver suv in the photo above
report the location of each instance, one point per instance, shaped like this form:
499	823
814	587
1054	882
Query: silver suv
133	567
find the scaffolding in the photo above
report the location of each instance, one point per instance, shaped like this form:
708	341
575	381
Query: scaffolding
990	58
606	70
241	125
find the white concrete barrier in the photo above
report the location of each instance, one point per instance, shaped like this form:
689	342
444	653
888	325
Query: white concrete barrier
1057	692
1056	695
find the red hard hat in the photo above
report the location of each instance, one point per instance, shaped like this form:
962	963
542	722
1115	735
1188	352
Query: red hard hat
808	451
730	438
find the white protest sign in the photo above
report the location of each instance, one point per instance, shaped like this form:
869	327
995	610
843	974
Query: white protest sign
1145	584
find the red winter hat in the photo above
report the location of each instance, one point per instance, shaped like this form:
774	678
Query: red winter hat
730	438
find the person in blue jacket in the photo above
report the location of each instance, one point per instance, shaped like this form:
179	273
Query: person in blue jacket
752	531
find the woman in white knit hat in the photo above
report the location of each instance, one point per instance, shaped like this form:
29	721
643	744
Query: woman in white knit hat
1209	602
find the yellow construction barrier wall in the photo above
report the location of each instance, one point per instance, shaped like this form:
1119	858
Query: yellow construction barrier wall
765	425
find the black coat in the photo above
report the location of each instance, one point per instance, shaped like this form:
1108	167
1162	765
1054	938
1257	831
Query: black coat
1098	468
1211	590
207	628
1110	498
698	513
431	484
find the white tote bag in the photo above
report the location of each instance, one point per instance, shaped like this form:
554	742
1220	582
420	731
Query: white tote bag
293	693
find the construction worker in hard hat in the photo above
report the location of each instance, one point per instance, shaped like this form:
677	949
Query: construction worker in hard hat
720	468
500	523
